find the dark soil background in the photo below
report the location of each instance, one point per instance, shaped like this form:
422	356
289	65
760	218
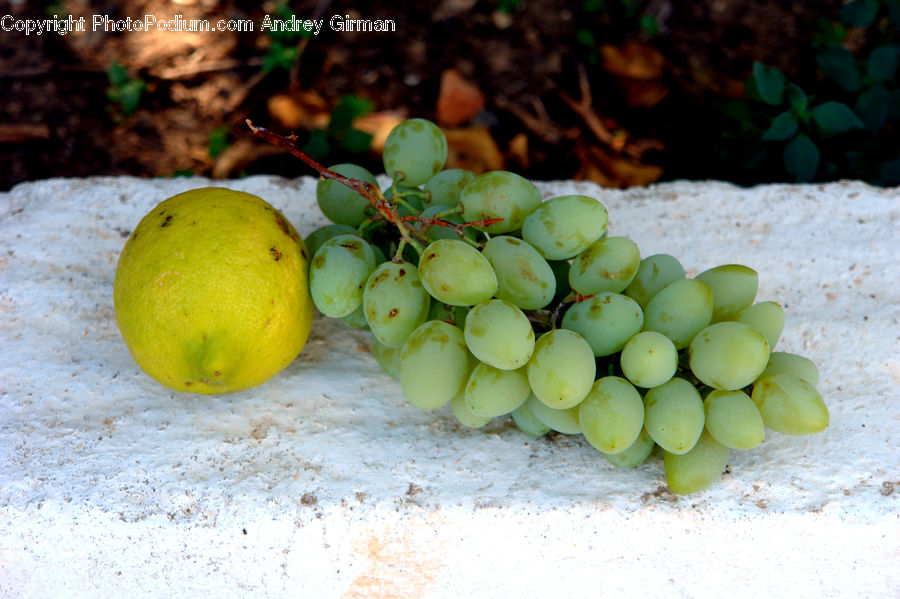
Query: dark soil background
613	91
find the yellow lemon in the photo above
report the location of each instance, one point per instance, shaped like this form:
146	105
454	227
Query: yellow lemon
211	292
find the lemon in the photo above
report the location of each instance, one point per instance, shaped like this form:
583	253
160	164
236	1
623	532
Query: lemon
211	292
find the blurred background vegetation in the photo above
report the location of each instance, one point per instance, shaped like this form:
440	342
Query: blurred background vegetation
620	92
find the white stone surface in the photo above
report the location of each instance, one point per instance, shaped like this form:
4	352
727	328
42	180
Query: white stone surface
324	483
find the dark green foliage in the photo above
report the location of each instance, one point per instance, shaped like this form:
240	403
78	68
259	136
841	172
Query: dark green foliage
610	21
801	158
340	134
860	13
219	140
124	91
284	49
845	127
768	83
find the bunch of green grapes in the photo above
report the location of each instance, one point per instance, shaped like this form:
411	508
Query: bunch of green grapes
482	296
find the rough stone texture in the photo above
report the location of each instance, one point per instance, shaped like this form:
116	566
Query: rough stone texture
324	482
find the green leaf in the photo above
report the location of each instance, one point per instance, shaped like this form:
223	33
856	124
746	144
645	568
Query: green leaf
873	107
838	64
348	109
130	95
585	37
595	6
117	74
829	32
649	25
860	13
356	141
801	158
218	141
508	6
783	127
279	56
834	118
770	83
882	63
797	98
318	145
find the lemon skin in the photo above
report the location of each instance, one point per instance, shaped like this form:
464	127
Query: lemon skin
211	292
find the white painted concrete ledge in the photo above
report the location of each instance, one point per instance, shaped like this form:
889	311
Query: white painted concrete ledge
324	483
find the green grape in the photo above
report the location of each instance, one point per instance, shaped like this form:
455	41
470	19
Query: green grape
464	414
790	405
323	234
445	186
728	355
697	469
733	419
562	369
434	365
799	366
765	317
680	311
654	273
649	359
635	455
341	204
612	415
524	278
563	227
607	321
388	358
674	416
414	151
338	273
395	302
436	232
356	319
527	423
562	421
608	264
455	273
493	392
499	334
733	288
455	315
499	194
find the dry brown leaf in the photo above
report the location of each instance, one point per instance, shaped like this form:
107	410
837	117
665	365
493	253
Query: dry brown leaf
634	60
517	151
303	110
474	149
15	133
609	170
378	125
448	9
458	100
643	93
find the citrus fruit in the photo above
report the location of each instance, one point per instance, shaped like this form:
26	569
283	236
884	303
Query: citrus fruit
211	292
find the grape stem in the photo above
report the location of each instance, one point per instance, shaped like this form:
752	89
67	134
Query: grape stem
370	192
413	235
